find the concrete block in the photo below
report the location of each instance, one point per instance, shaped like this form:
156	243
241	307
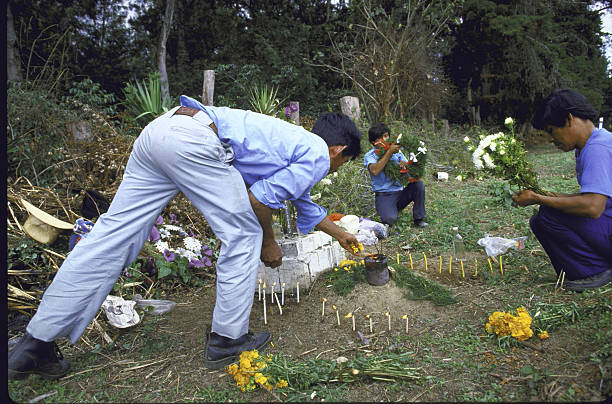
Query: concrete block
325	238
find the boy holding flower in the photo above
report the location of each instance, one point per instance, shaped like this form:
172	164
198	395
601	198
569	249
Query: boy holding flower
575	230
390	196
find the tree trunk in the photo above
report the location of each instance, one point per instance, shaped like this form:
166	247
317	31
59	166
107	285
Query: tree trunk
13	64
161	60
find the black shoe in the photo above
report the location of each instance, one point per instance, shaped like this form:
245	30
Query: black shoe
222	351
590	282
420	223
33	356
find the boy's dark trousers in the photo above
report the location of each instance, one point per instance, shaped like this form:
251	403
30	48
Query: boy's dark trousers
389	204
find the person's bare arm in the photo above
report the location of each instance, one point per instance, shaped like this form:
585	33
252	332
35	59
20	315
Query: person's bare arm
376	168
586	205
271	254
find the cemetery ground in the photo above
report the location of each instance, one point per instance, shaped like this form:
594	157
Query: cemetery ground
446	347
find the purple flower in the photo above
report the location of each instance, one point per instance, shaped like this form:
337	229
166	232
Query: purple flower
293	106
196	263
169	255
173	218
288	112
206	261
206	250
191	234
154	235
159	221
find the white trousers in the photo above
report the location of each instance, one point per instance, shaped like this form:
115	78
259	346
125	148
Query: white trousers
172	154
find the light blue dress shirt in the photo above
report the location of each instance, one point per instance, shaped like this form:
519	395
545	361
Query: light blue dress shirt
278	160
380	182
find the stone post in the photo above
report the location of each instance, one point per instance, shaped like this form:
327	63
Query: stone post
208	87
349	105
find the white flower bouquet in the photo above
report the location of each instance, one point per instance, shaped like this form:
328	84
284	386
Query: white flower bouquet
503	156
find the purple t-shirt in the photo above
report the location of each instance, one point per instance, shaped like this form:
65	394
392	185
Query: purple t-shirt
594	166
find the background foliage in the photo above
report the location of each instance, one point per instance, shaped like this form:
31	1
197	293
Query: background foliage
476	61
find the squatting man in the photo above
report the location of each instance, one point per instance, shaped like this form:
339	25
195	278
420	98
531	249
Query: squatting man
235	167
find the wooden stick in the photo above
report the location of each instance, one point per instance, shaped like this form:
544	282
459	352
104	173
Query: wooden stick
562	279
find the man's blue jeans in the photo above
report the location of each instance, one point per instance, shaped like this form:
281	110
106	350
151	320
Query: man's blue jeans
389	204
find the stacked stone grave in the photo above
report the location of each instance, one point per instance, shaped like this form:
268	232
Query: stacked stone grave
304	258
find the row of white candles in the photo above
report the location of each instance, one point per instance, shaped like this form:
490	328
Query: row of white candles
261	294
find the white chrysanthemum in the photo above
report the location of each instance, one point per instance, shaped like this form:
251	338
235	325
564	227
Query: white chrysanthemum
459	178
326	181
187	254
163	233
335	174
315	196
422	150
502	152
478	152
488	161
466	139
493	146
477	163
192	243
513	141
421	143
509	121
172	227
161	246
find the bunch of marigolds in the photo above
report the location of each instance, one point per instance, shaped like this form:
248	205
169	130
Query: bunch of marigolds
248	372
503	324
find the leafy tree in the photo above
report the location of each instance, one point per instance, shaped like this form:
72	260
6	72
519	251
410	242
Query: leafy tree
509	54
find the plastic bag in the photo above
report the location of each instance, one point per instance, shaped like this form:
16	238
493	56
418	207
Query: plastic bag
159	306
120	313
495	246
380	230
366	237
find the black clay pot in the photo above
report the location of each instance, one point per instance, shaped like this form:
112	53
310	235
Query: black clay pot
376	269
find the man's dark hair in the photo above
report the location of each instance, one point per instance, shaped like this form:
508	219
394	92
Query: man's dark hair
555	109
338	129
377	131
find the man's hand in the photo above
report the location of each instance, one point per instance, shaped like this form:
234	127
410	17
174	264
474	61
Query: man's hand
271	254
349	242
525	197
346	240
393	148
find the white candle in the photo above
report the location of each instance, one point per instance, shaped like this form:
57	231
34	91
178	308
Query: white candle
259	290
283	294
297	286
280	310
264	300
